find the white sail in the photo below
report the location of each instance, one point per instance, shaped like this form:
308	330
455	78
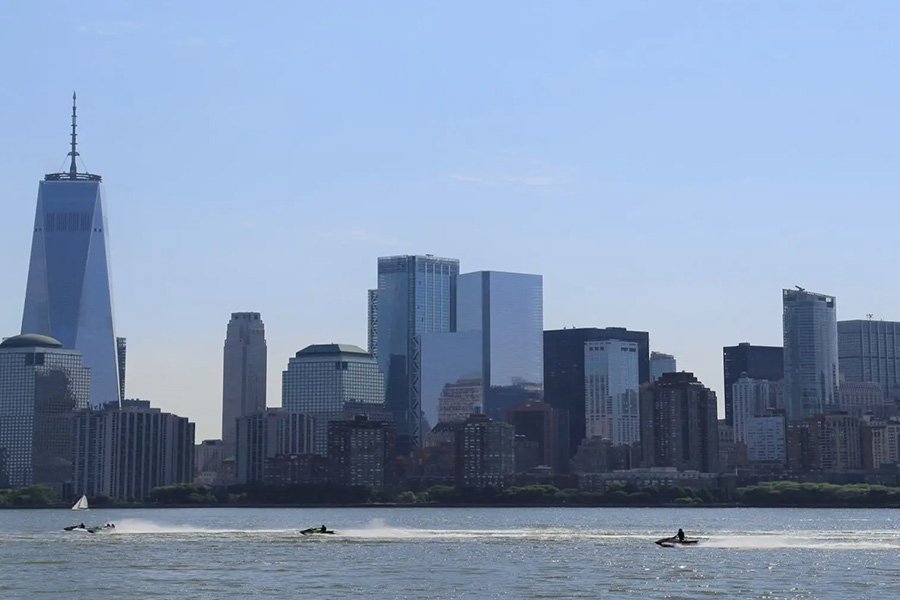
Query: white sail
82	504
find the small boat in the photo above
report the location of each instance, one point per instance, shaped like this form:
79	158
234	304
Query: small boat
82	504
671	542
315	530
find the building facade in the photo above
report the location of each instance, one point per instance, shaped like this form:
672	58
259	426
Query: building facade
243	373
661	363
416	295
447	359
460	400
564	371
750	398
679	425
323	379
611	391
825	442
209	457
869	351
764	437
860	398
362	453
42	388
372	336
68	293
810	353
755	362
264	435
533	421
485	454
121	355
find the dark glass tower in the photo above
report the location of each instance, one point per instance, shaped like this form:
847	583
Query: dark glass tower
758	362
564	370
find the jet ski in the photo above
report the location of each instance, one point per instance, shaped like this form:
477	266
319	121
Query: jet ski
93	529
671	542
316	530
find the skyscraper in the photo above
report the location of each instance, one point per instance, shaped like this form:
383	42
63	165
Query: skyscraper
564	371
323	380
372	337
661	363
416	295
756	362
810	353
611	391
68	295
869	351
121	351
244	372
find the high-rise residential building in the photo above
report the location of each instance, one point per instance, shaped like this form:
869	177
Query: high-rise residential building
362	453
322	380
485	454
755	362
42	386
508	310
416	296
611	391
661	363
679	425
751	399
209	456
880	443
564	371
460	400
264	435
869	351
123	452
810	353
826	442
68	295
372	337
121	352
764	437
243	373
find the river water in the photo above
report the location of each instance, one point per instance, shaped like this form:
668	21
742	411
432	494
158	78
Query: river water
451	553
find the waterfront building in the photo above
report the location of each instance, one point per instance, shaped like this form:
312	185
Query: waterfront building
564	371
267	434
534	421
880	443
825	442
485	454
323	380
209	457
750	399
68	294
416	295
810	353
611	391
124	451
869	351
362	453
661	363
679	425
243	373
42	386
764	436
756	362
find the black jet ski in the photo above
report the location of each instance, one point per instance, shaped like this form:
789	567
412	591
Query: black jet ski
671	542
315	530
93	529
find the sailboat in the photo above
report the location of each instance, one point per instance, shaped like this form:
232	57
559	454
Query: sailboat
82	504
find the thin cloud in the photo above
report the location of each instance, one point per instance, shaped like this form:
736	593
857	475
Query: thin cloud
109	28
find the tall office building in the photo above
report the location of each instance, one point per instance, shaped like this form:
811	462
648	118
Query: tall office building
869	351
661	363
372	337
810	353
564	371
243	373
42	385
508	310
68	295
751	399
679	425
611	391
755	362
121	352
416	295
323	380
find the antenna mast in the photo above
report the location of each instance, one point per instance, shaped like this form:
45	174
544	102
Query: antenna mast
73	169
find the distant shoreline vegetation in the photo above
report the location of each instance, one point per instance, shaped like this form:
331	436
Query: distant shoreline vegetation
776	494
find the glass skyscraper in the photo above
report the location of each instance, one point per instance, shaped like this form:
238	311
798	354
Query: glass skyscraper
810	353
42	385
611	391
323	380
68	295
416	295
243	373
869	351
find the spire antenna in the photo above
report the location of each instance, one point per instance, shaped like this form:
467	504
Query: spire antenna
73	168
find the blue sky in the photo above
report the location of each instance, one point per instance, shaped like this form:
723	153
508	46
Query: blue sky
667	166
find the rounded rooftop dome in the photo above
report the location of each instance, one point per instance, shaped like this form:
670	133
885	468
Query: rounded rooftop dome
31	340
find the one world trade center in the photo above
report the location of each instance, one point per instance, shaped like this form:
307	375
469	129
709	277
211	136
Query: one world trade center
68	294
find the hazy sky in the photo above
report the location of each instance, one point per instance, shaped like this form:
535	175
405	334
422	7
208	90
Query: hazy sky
667	166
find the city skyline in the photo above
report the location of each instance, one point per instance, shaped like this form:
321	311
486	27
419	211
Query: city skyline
670	135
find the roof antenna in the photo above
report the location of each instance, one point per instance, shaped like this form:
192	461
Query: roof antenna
73	169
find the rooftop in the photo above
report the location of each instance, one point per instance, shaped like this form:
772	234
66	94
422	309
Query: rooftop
326	349
31	340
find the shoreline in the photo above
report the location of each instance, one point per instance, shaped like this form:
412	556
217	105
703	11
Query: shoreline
457	505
